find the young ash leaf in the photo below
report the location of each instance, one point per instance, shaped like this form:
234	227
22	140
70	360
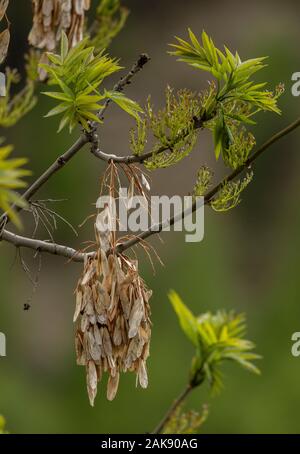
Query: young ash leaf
78	74
235	87
128	105
217	338
186	319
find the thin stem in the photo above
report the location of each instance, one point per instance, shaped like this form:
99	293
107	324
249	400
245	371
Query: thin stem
124	81
177	402
42	246
131	159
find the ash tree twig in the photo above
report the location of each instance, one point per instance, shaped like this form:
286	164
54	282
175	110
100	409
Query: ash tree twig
42	246
124	81
131	159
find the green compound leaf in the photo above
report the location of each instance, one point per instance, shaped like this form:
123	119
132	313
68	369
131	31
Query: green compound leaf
78	73
217	338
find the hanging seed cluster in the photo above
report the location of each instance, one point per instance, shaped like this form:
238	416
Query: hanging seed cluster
52	17
113	322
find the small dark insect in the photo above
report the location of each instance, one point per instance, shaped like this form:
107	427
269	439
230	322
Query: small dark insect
26	307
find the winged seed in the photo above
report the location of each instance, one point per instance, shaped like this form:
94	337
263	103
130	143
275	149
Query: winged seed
112	316
4	43
112	386
3	8
136	316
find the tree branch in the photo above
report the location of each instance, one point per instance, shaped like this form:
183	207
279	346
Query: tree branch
131	159
76	256
42	246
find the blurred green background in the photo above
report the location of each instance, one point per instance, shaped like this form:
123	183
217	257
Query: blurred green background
248	261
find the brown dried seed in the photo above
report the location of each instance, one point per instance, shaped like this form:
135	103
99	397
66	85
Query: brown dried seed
47	7
81	361
89	274
51	17
131	355
112	364
147	294
95	291
104	295
120	273
117	336
99	368
4	43
95	351
103	227
105	364
112	386
79	7
116	298
102	319
112	294
106	341
124	330
142	374
97	335
78	305
140	346
111	262
100	311
146	351
78	346
104	264
84	323
90	306
92	393
93	319
3	8
92	376
87	296
136	316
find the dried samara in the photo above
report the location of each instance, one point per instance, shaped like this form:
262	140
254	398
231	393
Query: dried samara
52	17
113	321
